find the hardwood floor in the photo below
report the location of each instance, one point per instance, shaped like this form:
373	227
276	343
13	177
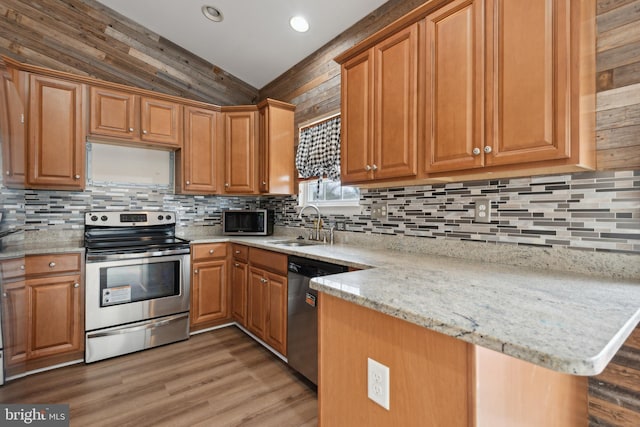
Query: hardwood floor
218	378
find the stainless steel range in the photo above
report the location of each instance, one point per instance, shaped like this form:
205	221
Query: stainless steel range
137	282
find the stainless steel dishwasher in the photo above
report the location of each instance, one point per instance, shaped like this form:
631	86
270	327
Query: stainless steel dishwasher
302	329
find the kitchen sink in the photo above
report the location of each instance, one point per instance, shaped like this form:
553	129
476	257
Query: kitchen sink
295	243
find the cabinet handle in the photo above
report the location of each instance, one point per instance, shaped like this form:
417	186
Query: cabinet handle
195	271
22	267
476	151
263	280
237	252
144	132
77	176
210	251
8	173
487	149
76	285
52	264
367	168
188	182
236	265
226	184
374	167
264	182
130	129
4	294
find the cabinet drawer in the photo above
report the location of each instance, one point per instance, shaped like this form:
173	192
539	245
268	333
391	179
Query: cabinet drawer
12	268
52	264
206	251
269	260
240	252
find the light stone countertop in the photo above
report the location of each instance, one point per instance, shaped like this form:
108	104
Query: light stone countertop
565	321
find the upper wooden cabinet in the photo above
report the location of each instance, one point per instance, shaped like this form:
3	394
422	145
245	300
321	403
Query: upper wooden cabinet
127	116
504	88
12	122
196	163
56	141
240	148
276	147
379	110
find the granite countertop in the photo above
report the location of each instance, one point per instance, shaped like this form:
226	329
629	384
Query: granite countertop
568	322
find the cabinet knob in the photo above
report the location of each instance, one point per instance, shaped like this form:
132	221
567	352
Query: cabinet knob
476	151
236	265
22	267
8	173
226	184
76	285
237	252
263	280
130	129
144	132
52	264
210	251
367	168
264	182
487	149
76	176
4	294
374	167
195	271
188	182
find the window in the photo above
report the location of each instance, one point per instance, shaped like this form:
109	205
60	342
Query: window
328	193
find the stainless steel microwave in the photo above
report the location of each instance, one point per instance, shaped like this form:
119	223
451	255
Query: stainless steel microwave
254	222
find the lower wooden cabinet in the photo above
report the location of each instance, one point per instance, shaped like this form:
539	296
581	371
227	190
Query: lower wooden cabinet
239	282
209	287
43	312
267	298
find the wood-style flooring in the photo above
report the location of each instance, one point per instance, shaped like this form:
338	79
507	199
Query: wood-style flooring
218	378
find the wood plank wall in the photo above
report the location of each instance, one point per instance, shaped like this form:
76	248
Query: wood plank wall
314	84
87	38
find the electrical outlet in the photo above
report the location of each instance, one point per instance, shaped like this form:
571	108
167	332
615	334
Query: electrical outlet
483	210
341	225
378	383
379	210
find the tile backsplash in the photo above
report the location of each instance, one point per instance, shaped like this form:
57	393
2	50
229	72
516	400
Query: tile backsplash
590	211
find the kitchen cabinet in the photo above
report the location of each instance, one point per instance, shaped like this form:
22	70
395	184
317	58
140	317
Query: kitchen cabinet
196	162
12	132
267	299
240	148
56	133
239	283
504	89
43	311
276	147
379	110
209	288
122	115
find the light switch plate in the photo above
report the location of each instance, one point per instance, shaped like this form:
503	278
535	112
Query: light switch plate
483	210
379	210
378	383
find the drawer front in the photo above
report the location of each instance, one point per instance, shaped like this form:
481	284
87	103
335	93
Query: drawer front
12	269
205	251
240	252
269	260
52	264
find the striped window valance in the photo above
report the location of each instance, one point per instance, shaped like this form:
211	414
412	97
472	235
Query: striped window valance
318	152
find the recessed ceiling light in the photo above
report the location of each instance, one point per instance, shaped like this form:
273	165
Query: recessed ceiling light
212	13
299	24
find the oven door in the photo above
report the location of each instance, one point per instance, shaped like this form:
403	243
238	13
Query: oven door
131	290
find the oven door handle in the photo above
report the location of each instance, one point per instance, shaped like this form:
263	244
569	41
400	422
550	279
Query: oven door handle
129	329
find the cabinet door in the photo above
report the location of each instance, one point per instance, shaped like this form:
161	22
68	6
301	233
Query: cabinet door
454	87
14	319
239	275
529	97
276	301
276	148
198	156
56	149
396	115
209	292
113	113
12	132
161	122
55	316
240	152
356	137
256	307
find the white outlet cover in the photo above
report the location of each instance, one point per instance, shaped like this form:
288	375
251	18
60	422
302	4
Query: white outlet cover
378	383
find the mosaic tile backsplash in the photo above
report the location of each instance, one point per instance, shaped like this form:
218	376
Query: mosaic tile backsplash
590	211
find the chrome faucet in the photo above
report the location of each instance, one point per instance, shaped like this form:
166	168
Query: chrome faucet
318	220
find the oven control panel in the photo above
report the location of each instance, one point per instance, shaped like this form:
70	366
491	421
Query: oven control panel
129	218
